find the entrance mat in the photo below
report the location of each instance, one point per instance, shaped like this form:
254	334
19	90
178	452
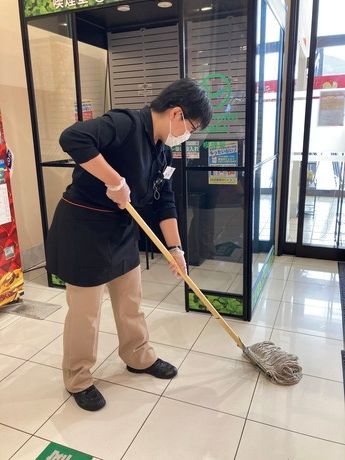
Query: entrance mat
226	249
31	309
341	269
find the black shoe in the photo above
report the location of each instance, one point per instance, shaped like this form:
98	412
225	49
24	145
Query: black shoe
160	369
89	399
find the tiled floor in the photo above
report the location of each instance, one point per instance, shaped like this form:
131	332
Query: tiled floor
218	408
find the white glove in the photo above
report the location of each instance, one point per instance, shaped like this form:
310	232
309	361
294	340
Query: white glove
180	261
120	194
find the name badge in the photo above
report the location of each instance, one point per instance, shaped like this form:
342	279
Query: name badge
168	172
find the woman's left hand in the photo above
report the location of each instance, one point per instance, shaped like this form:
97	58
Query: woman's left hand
180	261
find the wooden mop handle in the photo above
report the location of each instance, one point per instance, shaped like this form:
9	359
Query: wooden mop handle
142	224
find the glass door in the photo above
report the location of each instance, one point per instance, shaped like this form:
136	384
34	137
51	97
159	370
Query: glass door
323	214
315	212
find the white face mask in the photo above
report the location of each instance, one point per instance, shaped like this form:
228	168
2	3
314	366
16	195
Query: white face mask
173	141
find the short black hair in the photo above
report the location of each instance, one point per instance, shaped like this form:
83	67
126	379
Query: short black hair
187	94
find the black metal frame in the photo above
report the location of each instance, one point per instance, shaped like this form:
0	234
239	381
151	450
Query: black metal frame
34	119
249	160
247	169
307	123
266	246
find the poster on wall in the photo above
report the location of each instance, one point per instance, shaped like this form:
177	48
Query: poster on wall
192	151
222	154
331	108
86	109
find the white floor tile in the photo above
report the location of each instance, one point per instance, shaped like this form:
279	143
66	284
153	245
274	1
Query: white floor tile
154	293
175	301
32	449
310	319
35	292
8	365
236	286
179	430
52	354
59	315
273	289
159	273
212	280
314	406
307	293
30	395
265	312
283	260
280	271
107	433
25	337
313	276
231	268
41	281
11	440
262	442
29	276
216	341
318	264
216	383
318	356
7	319
107	321
114	370
175	329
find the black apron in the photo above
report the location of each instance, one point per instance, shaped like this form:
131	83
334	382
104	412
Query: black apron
86	247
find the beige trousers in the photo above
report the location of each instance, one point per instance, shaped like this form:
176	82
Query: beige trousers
82	322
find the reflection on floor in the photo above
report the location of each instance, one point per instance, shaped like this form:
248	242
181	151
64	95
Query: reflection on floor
324	223
219	407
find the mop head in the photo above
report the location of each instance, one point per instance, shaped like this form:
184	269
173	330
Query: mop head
279	366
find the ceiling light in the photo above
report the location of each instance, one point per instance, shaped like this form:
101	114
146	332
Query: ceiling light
123	8
207	8
164	4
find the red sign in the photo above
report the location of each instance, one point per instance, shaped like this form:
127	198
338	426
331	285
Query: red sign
329	82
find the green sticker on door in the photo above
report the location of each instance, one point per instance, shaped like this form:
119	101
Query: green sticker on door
58	452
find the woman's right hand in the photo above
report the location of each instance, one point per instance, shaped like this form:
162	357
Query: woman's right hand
120	197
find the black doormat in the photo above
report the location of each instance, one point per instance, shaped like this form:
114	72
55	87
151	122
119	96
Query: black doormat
341	269
225	249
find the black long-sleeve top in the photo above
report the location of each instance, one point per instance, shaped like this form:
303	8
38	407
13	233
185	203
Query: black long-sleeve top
125	139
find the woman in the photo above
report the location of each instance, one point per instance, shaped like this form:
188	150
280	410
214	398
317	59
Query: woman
120	157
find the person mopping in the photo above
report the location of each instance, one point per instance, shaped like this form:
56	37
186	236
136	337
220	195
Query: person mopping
92	242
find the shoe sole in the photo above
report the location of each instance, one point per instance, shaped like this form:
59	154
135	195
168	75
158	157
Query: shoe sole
139	371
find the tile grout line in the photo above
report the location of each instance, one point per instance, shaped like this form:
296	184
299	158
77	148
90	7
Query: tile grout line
246	418
142	425
296	432
189	352
21	447
161	395
45	346
308	335
211	409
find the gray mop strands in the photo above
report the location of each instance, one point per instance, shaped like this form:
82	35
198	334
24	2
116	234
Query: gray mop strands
279	366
